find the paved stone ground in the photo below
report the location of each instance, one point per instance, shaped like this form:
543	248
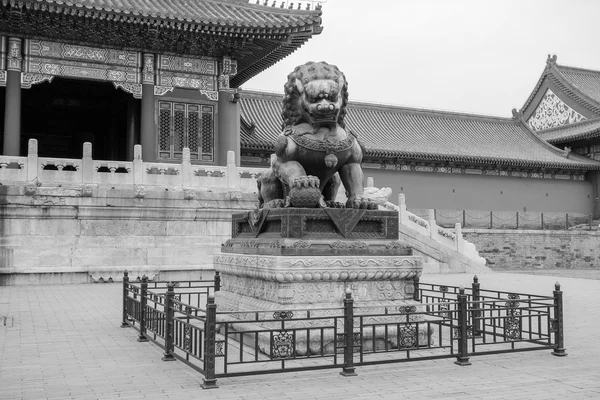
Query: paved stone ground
64	342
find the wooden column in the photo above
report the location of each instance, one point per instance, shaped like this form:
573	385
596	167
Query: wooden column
12	109
132	127
147	126
228	135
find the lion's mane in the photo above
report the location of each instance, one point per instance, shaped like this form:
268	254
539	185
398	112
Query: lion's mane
306	73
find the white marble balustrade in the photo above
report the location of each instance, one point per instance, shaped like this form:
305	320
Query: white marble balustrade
51	171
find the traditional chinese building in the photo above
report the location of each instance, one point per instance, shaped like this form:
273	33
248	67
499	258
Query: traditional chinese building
541	159
160	73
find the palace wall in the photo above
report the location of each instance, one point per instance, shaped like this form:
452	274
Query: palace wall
477	192
536	249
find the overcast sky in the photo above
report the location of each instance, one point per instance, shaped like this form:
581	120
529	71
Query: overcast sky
478	56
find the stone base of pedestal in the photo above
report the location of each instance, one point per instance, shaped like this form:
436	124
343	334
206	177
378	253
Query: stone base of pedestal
317	284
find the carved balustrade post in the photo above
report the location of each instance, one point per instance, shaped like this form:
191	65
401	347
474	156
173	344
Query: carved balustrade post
138	165
348	369
559	338
32	160
143	302
210	331
462	358
232	171
403	216
458	237
186	168
87	164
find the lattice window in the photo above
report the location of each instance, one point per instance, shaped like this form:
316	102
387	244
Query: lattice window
186	125
208	133
179	128
193	130
164	127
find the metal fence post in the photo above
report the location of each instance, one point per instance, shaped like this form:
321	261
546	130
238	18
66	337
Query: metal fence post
542	216
416	293
517	220
464	224
217	281
124	323
169	325
491	219
559	338
567	221
462	358
476	314
348	369
143	301
210	332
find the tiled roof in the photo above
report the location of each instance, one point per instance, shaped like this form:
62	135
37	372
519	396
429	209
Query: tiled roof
581	130
587	81
236	13
400	132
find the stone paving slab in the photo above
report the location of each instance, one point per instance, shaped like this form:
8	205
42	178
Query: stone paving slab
65	343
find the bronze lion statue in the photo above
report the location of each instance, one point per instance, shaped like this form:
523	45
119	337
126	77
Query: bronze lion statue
315	151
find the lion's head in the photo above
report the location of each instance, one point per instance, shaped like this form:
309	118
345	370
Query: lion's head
315	93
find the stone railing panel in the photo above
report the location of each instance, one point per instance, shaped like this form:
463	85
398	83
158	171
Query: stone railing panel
113	172
13	169
62	170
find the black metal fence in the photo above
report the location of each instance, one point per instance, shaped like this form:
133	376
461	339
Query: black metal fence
445	322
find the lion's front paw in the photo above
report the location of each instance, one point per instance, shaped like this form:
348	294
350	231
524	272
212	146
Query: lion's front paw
305	182
363	203
276	203
335	204
305	192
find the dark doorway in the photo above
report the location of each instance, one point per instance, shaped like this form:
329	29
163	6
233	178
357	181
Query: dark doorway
65	113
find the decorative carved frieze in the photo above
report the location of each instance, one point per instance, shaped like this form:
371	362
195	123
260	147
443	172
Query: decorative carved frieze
28	79
552	112
200	65
61	59
134	88
2	78
162	90
15	54
188	73
227	69
211	95
148	73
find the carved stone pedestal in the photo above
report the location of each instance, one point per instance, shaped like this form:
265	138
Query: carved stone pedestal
305	259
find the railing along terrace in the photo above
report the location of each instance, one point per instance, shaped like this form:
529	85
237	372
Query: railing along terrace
136	172
443	322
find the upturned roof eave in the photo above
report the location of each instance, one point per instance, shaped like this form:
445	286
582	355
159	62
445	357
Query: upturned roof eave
310	17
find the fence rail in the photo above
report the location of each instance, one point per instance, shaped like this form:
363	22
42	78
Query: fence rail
441	322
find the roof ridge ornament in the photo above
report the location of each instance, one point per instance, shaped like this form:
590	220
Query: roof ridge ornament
517	114
551	59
